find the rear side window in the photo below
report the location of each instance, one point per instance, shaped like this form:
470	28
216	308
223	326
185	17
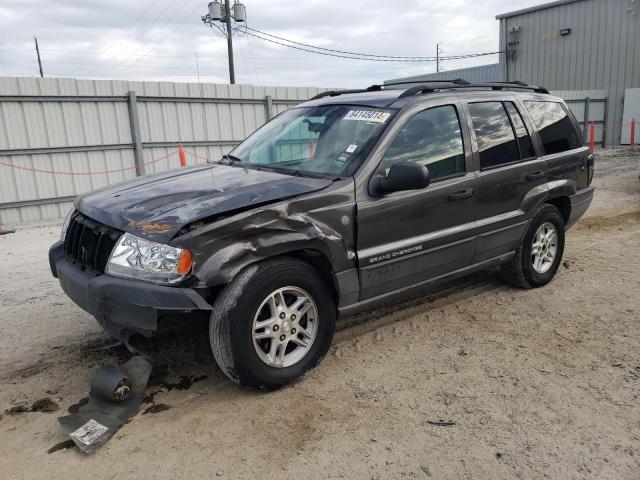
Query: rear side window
433	138
524	140
557	131
496	141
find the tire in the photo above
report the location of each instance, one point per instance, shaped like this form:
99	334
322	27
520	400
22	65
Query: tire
520	271
241	308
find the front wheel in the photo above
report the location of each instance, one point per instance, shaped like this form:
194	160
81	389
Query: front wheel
539	253
272	324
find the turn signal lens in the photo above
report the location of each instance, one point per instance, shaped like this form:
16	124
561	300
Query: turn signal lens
184	262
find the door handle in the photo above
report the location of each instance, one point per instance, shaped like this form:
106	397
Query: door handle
535	175
460	194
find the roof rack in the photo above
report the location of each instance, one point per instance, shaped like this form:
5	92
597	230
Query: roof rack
378	87
429	86
335	93
445	85
457	81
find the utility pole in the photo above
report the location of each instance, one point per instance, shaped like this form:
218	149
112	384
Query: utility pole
224	14
39	61
232	73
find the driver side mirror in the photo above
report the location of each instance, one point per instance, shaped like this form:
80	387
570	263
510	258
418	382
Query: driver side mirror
402	176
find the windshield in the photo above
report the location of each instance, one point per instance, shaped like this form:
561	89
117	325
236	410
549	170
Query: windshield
332	139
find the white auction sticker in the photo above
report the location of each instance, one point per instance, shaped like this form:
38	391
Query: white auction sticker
367	116
89	433
351	148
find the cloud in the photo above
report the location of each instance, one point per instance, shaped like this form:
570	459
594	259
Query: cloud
158	39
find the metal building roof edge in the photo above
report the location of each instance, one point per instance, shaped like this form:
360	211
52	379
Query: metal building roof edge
455	73
535	8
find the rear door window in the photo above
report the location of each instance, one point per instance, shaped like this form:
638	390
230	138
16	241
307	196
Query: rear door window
557	131
496	141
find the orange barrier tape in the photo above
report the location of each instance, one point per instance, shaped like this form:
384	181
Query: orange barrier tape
196	155
57	172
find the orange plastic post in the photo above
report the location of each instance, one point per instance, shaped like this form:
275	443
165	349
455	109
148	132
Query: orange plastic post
592	136
633	132
182	155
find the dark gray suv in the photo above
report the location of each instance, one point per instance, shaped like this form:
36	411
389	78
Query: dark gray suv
334	207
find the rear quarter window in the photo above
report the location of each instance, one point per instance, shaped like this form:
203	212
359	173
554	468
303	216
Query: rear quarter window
556	129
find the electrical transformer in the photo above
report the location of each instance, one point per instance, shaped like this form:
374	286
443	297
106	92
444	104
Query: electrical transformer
239	12
216	11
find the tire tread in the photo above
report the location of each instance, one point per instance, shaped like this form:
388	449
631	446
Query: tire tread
228	301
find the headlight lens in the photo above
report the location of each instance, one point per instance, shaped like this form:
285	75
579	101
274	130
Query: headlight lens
65	225
135	257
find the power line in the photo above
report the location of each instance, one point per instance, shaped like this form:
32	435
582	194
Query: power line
153	22
76	52
345	52
122	35
375	59
167	35
135	22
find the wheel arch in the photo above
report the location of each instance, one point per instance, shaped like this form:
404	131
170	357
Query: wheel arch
563	204
315	257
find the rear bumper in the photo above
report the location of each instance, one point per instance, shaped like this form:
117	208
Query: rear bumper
122	307
580	202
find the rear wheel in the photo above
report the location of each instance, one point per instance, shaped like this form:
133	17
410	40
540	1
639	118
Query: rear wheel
539	253
272	324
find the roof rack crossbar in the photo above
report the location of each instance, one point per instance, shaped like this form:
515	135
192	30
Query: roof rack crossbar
492	85
460	81
335	93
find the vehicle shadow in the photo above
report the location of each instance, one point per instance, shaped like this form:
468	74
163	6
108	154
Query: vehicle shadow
182	355
186	353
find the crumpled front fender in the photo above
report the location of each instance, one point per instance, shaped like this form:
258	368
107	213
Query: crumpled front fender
223	248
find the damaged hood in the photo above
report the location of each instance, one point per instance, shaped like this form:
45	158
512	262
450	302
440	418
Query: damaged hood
157	207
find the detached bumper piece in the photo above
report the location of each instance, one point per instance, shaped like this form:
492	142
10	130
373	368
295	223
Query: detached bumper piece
122	307
115	397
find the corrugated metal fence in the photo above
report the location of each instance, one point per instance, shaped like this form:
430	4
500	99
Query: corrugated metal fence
63	137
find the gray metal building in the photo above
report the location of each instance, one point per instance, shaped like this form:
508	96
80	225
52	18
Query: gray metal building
575	47
481	73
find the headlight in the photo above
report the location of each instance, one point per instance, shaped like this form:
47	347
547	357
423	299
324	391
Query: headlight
135	257
65	225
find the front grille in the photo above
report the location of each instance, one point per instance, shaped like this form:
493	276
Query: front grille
88	243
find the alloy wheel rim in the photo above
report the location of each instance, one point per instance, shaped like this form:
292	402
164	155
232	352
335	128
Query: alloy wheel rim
544	247
285	327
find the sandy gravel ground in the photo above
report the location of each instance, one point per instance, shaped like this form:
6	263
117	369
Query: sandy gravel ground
539	384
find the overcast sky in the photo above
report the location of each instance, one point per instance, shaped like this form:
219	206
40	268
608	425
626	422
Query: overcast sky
158	39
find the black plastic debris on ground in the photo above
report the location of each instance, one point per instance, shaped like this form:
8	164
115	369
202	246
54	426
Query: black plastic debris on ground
442	423
115	397
42	405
